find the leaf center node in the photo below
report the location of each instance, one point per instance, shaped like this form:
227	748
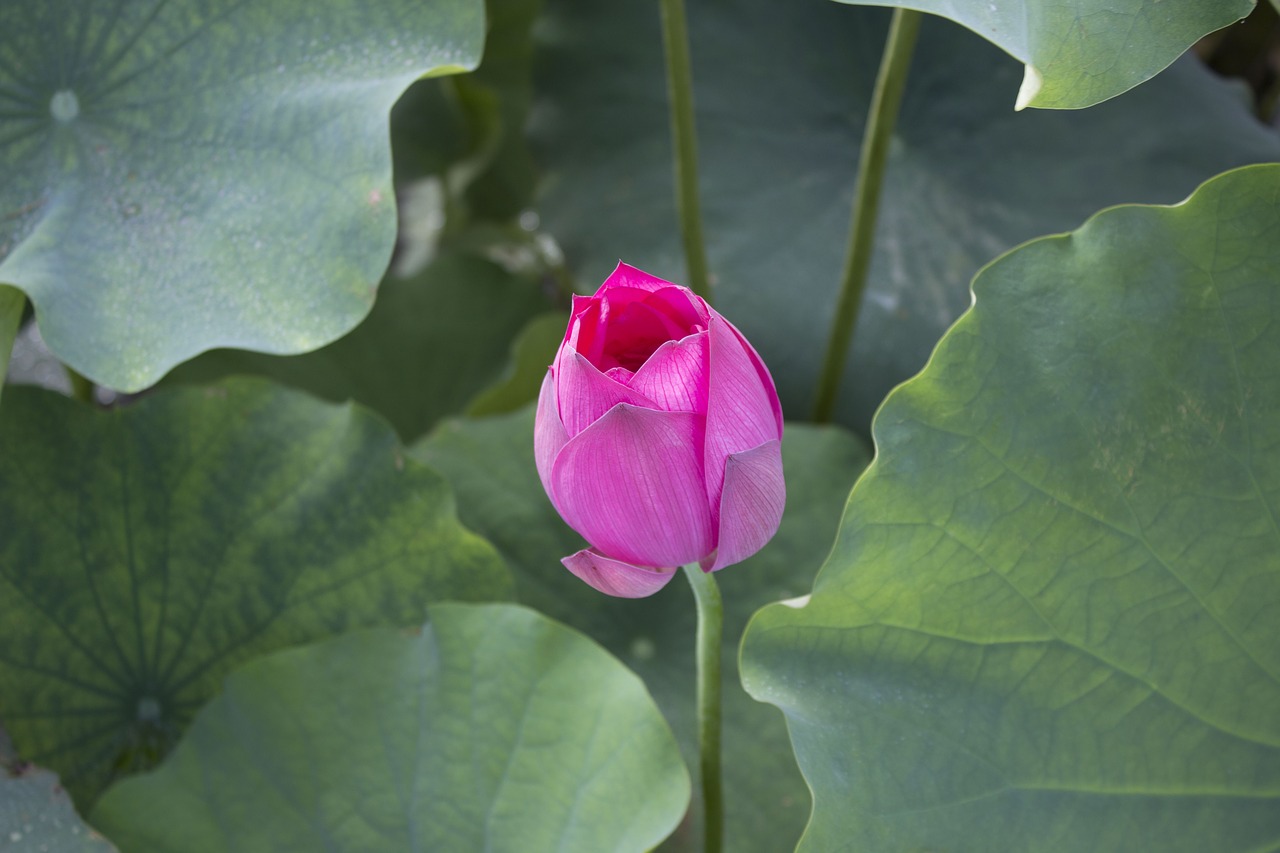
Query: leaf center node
64	106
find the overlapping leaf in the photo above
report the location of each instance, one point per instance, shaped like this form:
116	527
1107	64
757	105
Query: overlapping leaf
431	342
36	816
184	175
494	729
1078	54
149	550
489	462
782	89
1049	620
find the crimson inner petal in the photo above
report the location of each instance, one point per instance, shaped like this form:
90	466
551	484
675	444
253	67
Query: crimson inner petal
633	334
674	303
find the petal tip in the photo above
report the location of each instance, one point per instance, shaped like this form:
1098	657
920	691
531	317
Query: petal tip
625	275
615	577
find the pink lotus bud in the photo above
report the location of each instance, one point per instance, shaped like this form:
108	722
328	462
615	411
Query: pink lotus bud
658	436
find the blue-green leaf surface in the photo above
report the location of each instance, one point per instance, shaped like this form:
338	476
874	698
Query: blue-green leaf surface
430	344
1049	620
782	89
183	175
1079	53
493	729
148	550
37	816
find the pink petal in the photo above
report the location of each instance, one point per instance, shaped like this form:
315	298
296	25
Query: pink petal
614	577
742	408
632	485
751	504
766	379
625	275
548	435
675	376
584	333
685	308
634	332
584	393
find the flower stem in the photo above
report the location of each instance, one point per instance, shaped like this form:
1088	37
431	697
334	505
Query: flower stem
12	304
710	631
81	387
881	119
675	40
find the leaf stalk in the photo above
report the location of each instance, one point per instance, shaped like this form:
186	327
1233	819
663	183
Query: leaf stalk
675	40
881	119
12	303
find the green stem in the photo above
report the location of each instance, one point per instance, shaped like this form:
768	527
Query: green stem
12	304
881	119
710	631
675	39
81	387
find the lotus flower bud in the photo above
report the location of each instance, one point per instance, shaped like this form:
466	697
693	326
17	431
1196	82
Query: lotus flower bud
658	436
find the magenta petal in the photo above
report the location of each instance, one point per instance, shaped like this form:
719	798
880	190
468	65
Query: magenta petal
685	308
675	376
584	333
585	394
632	485
614	577
751	504
625	275
766	379
548	435
742	405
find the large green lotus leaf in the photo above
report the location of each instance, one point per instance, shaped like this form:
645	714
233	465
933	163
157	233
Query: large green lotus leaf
431	343
148	550
489	462
37	816
782	89
184	175
1049	620
1080	53
493	729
